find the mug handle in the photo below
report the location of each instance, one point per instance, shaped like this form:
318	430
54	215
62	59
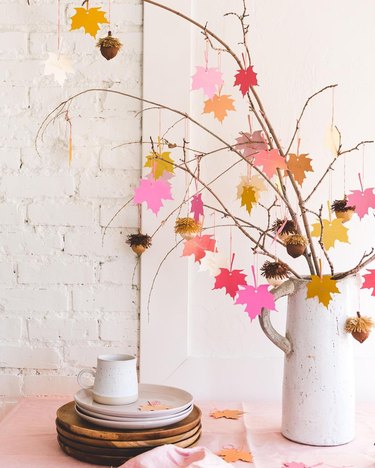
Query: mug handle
83	372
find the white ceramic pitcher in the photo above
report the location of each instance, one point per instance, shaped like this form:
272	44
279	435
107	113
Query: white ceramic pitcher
318	389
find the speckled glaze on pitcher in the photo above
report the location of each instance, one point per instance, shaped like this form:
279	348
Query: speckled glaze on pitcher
319	385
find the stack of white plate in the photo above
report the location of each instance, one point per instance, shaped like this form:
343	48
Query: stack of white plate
179	403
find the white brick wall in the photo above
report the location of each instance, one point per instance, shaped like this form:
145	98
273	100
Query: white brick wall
66	295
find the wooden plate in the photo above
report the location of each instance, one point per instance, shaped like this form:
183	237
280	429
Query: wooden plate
119	452
69	420
113	444
105	459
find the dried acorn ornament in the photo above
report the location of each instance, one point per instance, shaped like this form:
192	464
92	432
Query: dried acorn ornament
139	242
287	229
359	327
295	245
275	272
109	46
342	210
187	228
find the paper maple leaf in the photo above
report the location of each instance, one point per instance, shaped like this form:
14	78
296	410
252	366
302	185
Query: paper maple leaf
298	165
251	143
213	262
322	288
248	197
294	465
58	65
88	19
153	192
245	79
362	200
270	161
160	163
369	281
198	246
197	206
333	231
230	280
256	182
255	299
219	105
228	414
153	406
233	455
209	79
333	139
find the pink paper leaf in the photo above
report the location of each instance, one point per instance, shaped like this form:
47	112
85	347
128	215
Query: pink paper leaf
369	281
245	79
251	143
362	200
231	280
153	192
197	206
208	79
295	465
255	299
198	247
270	161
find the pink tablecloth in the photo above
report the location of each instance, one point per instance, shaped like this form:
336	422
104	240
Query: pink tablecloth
28	439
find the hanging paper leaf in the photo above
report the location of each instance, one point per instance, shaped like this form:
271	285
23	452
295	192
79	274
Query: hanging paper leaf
248	198
369	281
245	79
322	288
233	455
298	165
227	414
213	262
270	161
219	105
255	299
209	79
160	163
256	182
230	280
363	201
198	246
58	65
197	206
153	192
333	231
333	140
88	19
251	143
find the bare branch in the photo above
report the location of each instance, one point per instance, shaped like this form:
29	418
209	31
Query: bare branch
361	264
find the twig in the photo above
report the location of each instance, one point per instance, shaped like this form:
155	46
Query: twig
113	217
361	264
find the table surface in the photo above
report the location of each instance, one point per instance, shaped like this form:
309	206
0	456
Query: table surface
28	437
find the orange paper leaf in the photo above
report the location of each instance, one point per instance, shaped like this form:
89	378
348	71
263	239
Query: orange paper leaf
228	414
298	165
322	288
219	105
233	455
153	406
88	19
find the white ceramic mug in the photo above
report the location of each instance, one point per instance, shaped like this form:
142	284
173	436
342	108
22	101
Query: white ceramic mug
115	381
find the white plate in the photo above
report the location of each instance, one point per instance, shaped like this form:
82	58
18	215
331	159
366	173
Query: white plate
185	412
175	398
140	424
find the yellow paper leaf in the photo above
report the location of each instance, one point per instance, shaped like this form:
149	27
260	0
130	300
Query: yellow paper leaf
160	163
332	231
88	19
322	288
219	105
333	140
255	181
233	455
228	414
248	198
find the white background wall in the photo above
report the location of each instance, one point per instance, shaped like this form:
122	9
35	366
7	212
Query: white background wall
65	297
209	345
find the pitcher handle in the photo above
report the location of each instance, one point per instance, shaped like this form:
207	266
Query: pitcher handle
280	341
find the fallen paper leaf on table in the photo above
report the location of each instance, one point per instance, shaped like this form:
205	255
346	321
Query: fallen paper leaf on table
219	105
153	406
228	414
233	455
245	79
88	19
322	288
333	231
294	465
209	79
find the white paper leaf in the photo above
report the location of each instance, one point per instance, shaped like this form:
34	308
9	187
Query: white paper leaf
58	65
